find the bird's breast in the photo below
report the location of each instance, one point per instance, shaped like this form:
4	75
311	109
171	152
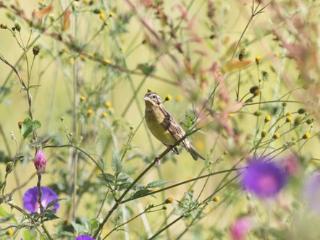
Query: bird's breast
154	120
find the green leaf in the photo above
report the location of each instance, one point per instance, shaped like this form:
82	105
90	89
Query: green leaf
188	206
189	120
49	215
140	193
4	90
93	224
78	227
146	68
116	163
123	181
5	216
107	178
3	157
4	213
28	126
29	234
157	184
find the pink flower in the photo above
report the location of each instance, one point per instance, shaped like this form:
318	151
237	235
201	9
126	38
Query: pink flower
240	228
147	3
291	164
40	161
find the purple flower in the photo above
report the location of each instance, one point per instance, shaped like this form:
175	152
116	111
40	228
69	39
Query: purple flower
84	237
240	228
48	197
263	177
312	192
40	161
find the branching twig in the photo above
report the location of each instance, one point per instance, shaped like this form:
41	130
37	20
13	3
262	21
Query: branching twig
118	201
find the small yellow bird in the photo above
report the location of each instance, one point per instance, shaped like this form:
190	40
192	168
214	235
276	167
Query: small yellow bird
163	126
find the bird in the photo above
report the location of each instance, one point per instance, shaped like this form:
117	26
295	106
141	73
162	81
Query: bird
164	127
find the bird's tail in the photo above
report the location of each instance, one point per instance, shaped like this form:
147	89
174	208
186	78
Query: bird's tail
195	155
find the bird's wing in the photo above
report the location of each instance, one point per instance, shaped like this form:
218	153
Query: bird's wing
170	124
176	131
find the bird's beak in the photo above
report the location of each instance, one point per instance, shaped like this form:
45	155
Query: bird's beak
146	98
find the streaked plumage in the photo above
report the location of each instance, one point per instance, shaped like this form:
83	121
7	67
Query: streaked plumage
163	126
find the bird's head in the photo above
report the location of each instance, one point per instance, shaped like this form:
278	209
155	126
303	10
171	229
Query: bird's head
152	99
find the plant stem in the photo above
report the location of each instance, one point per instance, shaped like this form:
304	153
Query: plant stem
183	182
118	201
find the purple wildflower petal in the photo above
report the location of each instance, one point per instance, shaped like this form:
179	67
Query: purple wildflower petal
263	178
84	237
312	192
240	228
30	199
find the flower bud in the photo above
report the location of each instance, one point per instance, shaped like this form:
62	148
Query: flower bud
309	121
3	26
276	135
40	161
301	110
167	98
36	50
257	113
306	135
108	104
216	199
258	60
90	112
17	27
10	232
83	98
288	118
267	118
255	90
169	200
96	11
